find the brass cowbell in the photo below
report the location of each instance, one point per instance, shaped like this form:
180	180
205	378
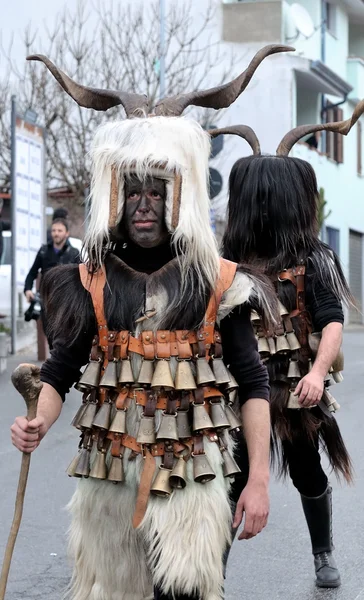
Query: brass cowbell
162	376
202	470
282	344
161	486
118	424
232	385
184	379
293	370
110	377
126	374
282	309
183	425
220	372
146	372
201	419
263	347
272	345
116	470
88	415
102	418
293	401
168	428
178	477
98	470
90	377
254	317
146	431
71	470
218	416
83	465
78	416
235	424
293	341
229	467
337	376
204	375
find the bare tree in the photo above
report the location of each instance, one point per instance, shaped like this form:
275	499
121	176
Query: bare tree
112	45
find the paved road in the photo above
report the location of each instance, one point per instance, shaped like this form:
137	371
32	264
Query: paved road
275	566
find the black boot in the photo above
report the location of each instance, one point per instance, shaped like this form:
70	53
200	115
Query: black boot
318	513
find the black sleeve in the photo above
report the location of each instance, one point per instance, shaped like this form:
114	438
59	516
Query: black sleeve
36	266
6	225
71	325
241	354
323	305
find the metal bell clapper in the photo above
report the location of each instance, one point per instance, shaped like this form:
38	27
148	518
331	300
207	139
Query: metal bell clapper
272	346
83	465
293	370
204	374
201	419
282	344
168	428
229	466
221	374
118	424
102	418
183	425
178	477
91	376
235	423
162	376
202	470
184	379
293	341
116	470
161	485
110	377
98	470
263	347
146	431
88	415
126	376
218	415
146	372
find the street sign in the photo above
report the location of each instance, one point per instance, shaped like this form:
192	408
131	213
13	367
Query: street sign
29	196
27	201
215	182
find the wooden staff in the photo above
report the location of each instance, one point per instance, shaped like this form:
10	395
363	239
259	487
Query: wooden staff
26	380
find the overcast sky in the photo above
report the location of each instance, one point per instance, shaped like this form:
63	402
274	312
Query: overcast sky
16	14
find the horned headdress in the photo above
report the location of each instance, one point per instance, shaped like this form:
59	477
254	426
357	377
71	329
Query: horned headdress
167	146
294	135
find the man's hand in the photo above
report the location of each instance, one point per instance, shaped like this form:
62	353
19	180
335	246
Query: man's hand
310	389
27	435
254	502
29	295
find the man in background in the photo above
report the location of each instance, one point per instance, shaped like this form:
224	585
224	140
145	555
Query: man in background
57	251
59	213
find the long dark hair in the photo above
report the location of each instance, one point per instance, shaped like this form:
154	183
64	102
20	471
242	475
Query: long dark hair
272	219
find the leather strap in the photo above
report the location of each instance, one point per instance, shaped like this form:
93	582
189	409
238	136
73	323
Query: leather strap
227	274
144	488
148	345
183	345
94	283
163	340
198	447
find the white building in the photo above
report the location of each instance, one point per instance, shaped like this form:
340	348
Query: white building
297	88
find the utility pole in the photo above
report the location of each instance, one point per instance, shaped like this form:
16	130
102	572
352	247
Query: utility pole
162	48
14	288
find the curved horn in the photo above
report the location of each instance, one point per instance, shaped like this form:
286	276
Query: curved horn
221	96
93	97
343	127
243	131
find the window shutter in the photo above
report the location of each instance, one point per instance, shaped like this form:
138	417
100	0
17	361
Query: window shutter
330	116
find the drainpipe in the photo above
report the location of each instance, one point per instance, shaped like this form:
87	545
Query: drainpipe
323	59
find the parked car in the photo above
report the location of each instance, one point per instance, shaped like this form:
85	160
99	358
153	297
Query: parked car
5	276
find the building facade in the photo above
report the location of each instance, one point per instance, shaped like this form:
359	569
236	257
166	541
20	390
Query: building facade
322	81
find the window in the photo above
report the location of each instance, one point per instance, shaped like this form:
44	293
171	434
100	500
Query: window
359	148
330	18
334	141
333	239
